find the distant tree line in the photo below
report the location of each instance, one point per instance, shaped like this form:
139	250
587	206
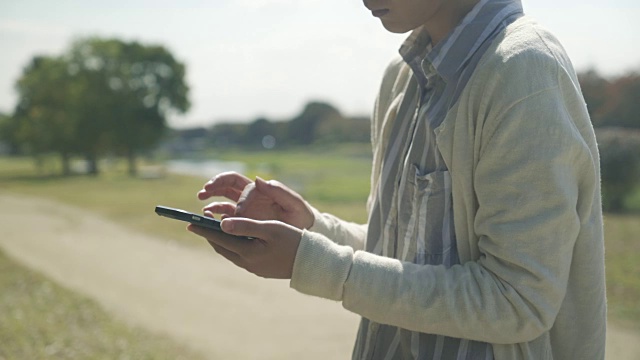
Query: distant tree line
102	96
614	107
318	122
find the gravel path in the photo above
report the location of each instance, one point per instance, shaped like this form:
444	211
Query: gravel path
190	294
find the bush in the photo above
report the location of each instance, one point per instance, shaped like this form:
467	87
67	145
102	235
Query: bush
620	165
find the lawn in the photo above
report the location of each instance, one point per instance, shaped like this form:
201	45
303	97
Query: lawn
338	183
33	308
41	320
622	259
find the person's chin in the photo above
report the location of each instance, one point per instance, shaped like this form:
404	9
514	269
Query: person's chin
396	28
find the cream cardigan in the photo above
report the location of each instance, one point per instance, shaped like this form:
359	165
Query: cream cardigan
525	170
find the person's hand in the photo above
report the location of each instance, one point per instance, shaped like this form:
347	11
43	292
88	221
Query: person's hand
229	185
270	254
272	200
260	200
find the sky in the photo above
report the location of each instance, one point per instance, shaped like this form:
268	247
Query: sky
266	58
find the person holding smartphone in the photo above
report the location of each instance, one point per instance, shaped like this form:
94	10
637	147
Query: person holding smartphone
484	238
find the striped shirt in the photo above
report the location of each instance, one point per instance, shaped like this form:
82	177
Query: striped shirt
411	217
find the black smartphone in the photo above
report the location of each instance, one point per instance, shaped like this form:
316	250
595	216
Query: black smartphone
200	220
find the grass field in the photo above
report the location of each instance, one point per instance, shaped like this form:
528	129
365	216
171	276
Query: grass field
131	201
622	259
41	320
334	180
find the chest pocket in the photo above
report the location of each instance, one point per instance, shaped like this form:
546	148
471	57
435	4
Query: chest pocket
425	218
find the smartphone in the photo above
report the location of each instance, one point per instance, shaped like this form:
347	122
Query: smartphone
199	220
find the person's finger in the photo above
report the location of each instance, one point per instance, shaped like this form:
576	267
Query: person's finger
223	208
265	230
232	243
255	205
279	193
296	211
227	192
222	216
227	184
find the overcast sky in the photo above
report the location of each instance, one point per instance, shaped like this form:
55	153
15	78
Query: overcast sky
250	58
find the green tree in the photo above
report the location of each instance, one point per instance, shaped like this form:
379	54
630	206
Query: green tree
257	131
304	127
129	90
622	108
620	165
612	102
44	120
7	131
225	135
102	96
594	90
347	129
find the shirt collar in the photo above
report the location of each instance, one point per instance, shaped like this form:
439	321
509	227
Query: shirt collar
447	58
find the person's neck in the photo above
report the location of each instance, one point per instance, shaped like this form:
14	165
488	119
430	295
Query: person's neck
449	16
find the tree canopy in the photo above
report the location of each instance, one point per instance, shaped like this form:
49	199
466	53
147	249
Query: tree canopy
612	102
101	96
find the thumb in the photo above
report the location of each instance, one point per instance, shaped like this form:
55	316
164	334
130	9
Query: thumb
245	227
264	230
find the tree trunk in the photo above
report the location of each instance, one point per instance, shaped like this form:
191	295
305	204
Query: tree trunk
39	162
66	164
92	162
131	159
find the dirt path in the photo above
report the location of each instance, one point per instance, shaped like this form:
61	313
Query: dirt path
190	294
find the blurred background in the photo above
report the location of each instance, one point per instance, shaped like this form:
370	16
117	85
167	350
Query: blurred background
110	108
